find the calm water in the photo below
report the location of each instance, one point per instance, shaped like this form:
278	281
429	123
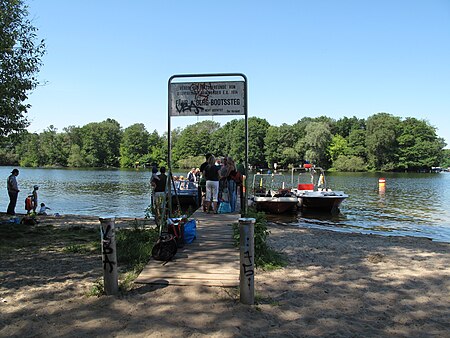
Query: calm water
412	204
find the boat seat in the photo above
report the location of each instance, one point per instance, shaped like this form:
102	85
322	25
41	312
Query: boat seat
305	186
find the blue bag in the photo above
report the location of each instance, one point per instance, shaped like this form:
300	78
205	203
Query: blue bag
224	208
190	231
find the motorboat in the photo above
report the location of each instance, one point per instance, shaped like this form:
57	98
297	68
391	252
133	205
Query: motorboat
186	194
315	195
269	194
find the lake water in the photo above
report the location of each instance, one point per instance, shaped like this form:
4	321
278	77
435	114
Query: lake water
412	204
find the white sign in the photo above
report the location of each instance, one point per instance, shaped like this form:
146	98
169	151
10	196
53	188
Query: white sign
207	98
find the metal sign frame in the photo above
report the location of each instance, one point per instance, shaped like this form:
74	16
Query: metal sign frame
169	140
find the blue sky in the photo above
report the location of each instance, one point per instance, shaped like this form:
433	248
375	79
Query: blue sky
112	59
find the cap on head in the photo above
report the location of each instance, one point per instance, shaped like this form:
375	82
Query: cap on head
35	187
15	171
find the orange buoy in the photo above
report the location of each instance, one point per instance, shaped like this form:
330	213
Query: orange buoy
381	180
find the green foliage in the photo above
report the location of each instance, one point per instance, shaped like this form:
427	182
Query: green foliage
134	145
20	60
381	141
338	147
317	140
83	248
384	143
191	162
349	163
445	162
194	140
265	257
419	146
97	289
134	246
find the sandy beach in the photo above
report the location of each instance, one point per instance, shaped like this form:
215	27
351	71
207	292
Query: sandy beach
335	285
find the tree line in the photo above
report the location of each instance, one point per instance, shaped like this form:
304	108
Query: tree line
381	142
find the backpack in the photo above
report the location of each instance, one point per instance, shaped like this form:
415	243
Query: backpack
237	178
165	247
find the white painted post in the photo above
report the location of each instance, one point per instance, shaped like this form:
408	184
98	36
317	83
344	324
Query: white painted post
247	260
109	256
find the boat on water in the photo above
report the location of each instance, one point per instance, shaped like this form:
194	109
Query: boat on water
314	195
186	194
269	194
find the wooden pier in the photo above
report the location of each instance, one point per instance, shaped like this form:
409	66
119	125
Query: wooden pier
210	260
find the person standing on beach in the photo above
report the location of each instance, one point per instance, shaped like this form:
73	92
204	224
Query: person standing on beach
13	191
35	198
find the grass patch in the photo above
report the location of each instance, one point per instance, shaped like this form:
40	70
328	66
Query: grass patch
17	237
266	258
133	246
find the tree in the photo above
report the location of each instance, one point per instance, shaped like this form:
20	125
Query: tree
345	125
20	60
135	144
445	162
419	146
281	145
257	129
316	142
338	146
381	141
357	143
194	140
101	143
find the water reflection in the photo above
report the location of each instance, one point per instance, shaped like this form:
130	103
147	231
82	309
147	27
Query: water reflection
413	204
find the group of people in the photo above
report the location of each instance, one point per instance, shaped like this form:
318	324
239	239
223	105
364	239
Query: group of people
31	202
219	183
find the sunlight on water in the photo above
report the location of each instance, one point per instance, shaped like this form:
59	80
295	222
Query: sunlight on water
411	204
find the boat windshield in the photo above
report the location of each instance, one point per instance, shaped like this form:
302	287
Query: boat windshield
308	178
264	184
185	185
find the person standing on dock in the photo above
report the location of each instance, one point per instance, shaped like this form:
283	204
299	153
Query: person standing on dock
231	183
13	191
202	181
160	194
211	174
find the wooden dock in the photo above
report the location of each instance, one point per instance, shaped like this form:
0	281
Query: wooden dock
210	260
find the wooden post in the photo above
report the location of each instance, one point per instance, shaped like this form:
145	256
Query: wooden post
109	256
247	260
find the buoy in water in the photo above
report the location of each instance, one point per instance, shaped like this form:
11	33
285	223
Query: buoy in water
381	180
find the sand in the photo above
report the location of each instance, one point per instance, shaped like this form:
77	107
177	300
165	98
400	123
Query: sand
335	285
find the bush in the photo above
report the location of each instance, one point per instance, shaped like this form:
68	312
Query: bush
134	246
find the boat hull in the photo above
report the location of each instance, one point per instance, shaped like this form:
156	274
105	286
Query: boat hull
276	205
321	201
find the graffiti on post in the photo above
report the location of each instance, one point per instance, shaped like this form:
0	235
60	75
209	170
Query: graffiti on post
248	267
107	236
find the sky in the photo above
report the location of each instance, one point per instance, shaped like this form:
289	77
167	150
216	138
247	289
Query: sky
113	59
